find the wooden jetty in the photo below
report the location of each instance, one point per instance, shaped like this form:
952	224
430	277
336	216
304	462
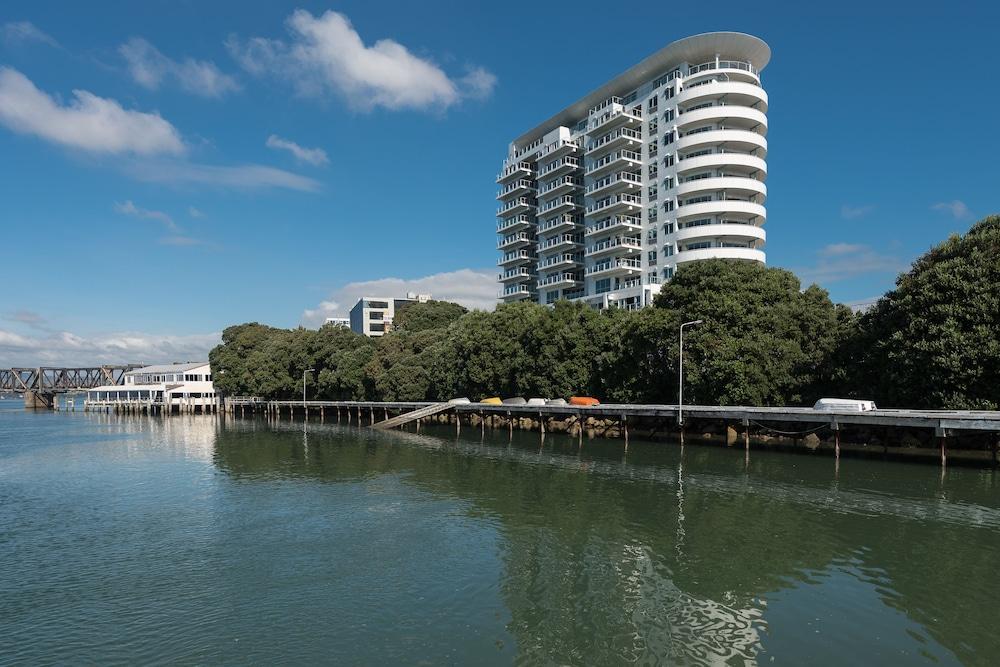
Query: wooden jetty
872	431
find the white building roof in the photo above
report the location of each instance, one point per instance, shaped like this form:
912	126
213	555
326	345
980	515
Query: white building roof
168	368
695	50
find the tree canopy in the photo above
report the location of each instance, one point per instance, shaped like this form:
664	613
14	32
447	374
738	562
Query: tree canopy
934	341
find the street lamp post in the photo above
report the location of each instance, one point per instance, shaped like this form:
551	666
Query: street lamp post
680	378
308	370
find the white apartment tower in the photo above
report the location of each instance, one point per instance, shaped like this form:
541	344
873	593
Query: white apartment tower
662	165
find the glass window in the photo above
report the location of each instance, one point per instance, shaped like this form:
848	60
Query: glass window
603	285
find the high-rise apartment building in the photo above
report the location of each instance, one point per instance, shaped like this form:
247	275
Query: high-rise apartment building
662	165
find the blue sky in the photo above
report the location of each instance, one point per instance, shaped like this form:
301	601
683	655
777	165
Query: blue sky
169	170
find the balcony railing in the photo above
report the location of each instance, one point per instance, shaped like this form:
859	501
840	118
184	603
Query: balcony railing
608	202
514	221
614	264
516	185
566	257
520	272
621	177
516	290
613	221
630	242
516	203
510	170
560	240
559	220
559	201
559	278
615	134
611	157
723	64
560	182
635	113
568	161
558	145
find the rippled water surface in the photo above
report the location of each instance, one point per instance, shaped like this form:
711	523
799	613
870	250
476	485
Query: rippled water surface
201	540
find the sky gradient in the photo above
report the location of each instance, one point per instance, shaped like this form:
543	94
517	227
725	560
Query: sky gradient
168	170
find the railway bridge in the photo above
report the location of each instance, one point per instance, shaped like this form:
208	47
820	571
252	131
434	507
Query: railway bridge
41	384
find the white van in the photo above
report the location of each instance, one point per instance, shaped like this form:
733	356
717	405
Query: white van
843	405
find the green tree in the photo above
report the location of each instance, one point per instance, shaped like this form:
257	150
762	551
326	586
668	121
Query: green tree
764	341
414	317
934	341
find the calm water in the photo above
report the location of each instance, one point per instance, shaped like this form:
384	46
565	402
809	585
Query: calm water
197	540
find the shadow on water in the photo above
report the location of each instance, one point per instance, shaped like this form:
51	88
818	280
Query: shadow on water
689	555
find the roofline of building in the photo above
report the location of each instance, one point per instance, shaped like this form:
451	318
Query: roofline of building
694	49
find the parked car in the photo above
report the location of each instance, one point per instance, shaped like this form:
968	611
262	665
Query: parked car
844	405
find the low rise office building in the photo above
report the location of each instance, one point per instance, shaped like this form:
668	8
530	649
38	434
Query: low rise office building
372	315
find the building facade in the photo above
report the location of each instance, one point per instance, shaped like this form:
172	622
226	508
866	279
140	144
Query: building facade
664	164
372	315
185	387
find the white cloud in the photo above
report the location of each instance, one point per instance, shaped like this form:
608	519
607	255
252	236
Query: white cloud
956	208
128	208
195	213
849	212
67	348
150	68
326	54
314	156
180	240
89	122
475	289
840	261
245	177
18	32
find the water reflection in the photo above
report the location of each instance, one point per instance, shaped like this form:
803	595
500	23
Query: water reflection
689	556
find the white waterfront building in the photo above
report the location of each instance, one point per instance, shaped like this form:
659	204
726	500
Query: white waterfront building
185	387
372	315
662	165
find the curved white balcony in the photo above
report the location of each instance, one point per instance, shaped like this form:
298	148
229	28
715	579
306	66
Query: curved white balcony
615	224
619	160
700	162
518	240
731	184
707	208
514	224
521	186
620	245
559	223
726	229
736	92
730	114
521	169
724	253
732	68
613	267
741	140
620	203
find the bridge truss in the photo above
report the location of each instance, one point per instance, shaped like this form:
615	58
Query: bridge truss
48	380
